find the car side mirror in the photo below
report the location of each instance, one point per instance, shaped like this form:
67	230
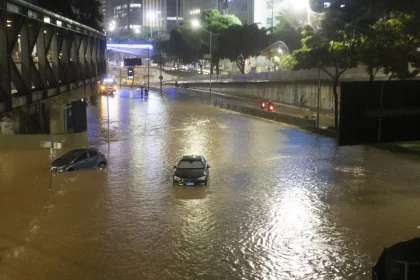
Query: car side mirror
208	166
174	166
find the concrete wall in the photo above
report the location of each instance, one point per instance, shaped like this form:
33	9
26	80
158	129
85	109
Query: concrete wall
300	94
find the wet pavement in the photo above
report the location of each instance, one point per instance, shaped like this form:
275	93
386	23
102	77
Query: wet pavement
281	204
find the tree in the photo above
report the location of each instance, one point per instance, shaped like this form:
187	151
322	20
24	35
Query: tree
331	50
241	42
178	47
215	22
87	12
392	47
287	33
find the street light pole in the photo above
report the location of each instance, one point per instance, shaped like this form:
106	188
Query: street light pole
211	65
148	68
107	108
319	97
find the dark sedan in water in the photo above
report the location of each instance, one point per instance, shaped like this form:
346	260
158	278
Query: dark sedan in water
79	159
191	170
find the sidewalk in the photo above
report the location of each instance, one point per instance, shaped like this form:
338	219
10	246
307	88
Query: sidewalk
326	120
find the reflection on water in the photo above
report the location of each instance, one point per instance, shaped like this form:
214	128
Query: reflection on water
282	204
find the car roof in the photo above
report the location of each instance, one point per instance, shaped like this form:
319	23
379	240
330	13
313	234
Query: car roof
78	151
192	157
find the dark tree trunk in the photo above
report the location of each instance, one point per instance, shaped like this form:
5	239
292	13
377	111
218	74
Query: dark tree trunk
335	88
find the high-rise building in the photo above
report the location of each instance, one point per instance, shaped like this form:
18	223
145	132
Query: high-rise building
120	15
174	13
194	8
123	14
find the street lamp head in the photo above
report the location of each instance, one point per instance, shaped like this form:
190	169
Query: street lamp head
300	5
195	23
151	15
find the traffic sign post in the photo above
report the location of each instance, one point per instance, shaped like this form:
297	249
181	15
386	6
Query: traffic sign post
53	146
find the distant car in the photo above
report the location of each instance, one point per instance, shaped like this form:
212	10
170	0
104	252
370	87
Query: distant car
79	159
108	86
191	170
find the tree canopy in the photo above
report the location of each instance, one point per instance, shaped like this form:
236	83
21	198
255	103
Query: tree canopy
241	42
391	46
331	50
87	12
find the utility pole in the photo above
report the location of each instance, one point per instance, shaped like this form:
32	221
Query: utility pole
319	97
272	16
177	11
161	77
148	68
211	66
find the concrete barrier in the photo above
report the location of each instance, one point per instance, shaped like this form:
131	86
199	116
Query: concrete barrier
296	121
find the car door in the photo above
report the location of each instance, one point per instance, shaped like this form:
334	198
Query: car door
82	161
93	158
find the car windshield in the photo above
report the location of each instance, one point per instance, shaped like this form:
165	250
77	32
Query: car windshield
70	156
191	164
108	81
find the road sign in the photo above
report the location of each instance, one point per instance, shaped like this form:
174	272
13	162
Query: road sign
130	73
133	62
207	56
379	112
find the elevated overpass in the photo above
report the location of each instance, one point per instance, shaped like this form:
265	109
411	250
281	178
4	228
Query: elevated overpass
43	55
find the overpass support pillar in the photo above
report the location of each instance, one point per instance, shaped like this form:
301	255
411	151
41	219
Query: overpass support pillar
58	119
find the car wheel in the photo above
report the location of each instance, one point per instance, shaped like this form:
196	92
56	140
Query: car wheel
102	165
174	183
70	170
206	183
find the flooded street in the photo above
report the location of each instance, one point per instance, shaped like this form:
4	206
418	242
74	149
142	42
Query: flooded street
281	203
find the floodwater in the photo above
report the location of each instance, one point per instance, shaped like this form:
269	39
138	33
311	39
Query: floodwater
281	204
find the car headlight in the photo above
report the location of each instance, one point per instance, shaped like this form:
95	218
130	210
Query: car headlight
202	178
102	87
176	178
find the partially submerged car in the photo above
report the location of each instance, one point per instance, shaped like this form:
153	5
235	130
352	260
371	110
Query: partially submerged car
79	159
191	170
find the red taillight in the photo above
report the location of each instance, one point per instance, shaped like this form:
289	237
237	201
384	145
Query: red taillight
271	108
263	104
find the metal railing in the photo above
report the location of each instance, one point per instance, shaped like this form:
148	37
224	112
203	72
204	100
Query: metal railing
43	54
356	74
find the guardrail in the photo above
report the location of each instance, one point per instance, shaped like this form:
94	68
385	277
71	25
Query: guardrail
356	74
43	54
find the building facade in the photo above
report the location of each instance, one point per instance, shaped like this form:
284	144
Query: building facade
193	8
122	15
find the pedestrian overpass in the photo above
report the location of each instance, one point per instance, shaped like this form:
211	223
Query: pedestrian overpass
43	55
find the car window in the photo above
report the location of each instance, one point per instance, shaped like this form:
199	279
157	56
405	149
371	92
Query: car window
70	156
196	164
82	156
93	153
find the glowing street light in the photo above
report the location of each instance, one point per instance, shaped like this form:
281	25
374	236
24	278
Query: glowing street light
300	5
151	15
195	23
112	25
